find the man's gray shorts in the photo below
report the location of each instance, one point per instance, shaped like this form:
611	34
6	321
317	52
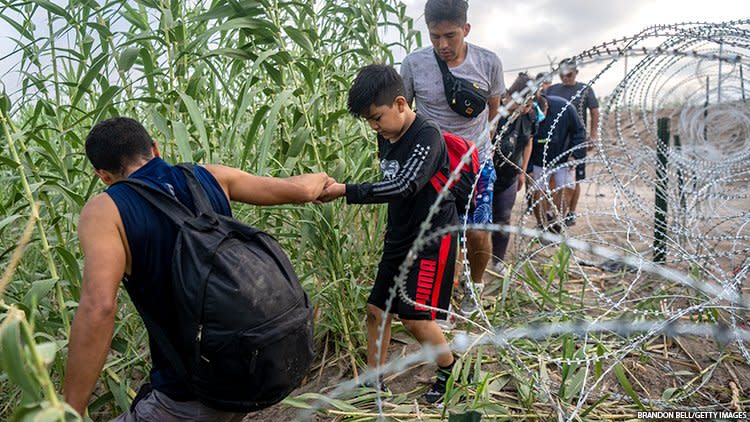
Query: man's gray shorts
158	407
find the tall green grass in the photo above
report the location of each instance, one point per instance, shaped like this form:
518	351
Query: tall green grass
259	85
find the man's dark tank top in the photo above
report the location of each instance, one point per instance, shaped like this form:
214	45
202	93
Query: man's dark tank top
151	237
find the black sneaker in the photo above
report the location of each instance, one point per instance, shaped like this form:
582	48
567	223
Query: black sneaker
570	219
380	385
554	228
437	390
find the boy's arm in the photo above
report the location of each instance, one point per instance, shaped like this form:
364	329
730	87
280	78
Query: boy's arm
260	190
93	325
420	166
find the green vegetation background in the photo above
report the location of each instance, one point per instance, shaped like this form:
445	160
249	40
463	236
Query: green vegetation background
260	85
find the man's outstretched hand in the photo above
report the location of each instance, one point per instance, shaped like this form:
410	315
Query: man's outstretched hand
332	191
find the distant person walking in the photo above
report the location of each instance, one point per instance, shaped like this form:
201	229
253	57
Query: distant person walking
585	103
553	147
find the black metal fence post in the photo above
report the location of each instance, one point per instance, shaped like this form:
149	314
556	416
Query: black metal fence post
705	111
660	190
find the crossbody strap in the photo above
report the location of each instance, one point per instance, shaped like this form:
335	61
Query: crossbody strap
448	77
443	66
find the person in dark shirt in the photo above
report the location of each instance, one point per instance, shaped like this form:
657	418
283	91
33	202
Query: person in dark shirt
553	147
585	103
124	238
511	159
411	151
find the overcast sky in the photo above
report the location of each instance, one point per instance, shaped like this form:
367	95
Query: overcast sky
525	33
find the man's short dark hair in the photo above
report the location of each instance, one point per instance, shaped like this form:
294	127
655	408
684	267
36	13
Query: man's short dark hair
454	11
115	143
375	84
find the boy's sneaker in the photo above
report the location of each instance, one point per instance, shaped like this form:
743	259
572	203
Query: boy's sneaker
437	390
469	304
570	219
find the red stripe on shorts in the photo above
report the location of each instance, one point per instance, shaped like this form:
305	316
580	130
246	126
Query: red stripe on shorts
425	283
445	246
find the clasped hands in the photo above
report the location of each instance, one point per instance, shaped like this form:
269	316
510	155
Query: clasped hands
331	191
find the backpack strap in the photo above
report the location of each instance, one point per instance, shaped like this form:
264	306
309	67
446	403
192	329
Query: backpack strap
200	197
169	205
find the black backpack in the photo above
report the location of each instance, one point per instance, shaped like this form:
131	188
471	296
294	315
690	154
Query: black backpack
246	329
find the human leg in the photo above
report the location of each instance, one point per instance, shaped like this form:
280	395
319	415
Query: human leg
376	305
479	242
502	206
565	181
427	332
580	176
375	317
540	194
479	251
429	283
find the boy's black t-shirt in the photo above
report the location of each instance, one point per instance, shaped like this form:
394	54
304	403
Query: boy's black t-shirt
407	166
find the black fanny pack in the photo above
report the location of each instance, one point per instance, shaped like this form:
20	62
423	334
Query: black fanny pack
465	98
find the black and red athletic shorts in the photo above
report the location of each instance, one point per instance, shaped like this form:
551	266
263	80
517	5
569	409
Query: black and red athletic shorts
428	282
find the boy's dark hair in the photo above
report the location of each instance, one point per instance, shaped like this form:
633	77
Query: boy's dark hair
375	84
115	143
454	11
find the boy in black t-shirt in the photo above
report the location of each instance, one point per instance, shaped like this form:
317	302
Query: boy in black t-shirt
411	151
